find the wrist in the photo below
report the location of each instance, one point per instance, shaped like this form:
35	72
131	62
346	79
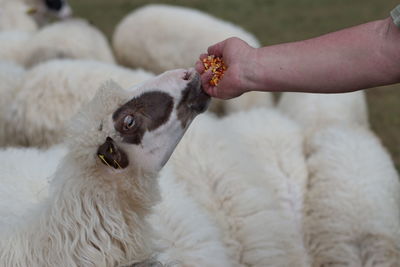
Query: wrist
388	46
252	71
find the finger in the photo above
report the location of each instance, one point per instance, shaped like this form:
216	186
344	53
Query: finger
199	67
223	89
205	81
206	77
215	92
203	56
217	49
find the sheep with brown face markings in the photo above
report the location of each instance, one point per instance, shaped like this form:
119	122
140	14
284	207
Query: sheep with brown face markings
106	185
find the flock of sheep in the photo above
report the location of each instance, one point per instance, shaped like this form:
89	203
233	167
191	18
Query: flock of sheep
301	183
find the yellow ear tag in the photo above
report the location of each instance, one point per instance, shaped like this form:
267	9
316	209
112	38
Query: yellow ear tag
119	166
31	11
101	156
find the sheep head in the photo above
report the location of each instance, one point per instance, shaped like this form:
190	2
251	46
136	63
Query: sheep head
137	129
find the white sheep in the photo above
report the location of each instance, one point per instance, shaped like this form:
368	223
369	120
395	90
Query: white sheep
352	206
51	93
248	172
73	38
313	111
11	76
106	185
183	233
163	37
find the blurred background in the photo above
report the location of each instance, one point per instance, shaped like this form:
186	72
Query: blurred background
277	21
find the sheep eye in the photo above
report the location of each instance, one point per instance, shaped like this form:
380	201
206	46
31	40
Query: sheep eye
129	122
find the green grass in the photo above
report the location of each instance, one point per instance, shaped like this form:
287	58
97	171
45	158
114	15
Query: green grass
277	21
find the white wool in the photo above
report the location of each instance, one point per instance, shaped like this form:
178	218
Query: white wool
162	37
352	205
12	46
14	16
247	101
52	93
184	233
313	111
251	192
74	38
11	76
25	173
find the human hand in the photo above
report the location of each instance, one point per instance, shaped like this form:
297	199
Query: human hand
238	57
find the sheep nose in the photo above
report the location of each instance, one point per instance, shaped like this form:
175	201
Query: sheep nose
198	100
190	74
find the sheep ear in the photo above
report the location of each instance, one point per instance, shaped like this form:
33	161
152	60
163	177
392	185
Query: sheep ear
111	155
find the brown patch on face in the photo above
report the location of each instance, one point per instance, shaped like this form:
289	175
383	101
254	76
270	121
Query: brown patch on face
144	113
111	155
193	102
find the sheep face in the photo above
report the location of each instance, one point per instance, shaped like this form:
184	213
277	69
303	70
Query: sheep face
139	129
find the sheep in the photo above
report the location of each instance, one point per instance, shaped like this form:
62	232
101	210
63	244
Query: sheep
352	203
162	37
54	42
11	76
313	111
175	220
250	177
14	16
106	185
352	206
73	38
52	92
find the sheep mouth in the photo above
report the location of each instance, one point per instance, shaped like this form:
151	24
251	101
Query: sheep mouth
194	100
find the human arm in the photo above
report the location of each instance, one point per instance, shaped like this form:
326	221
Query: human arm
359	57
